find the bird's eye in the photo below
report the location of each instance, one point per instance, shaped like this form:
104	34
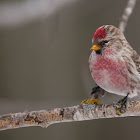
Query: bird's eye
106	41
102	43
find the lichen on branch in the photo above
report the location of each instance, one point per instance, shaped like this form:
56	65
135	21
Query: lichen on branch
44	118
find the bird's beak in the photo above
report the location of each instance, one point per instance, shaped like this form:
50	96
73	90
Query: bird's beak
96	47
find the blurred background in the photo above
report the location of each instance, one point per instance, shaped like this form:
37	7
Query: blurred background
44	51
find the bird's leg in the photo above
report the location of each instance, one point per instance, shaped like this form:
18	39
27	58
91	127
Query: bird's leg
121	105
96	92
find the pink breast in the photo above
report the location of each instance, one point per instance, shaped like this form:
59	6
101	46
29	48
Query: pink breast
109	73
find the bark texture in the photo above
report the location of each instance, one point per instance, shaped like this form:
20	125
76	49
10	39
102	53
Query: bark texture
44	118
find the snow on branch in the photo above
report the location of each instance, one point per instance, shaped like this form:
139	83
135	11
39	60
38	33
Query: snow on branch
44	118
126	14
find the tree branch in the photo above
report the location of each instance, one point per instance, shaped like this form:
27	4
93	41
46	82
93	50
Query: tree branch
126	14
45	118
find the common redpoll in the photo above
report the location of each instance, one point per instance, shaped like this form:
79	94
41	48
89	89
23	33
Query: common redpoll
113	63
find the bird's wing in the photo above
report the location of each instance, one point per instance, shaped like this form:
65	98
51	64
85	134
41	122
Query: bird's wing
132	60
136	59
133	66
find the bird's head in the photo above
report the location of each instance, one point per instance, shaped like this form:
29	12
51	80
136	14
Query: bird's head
104	37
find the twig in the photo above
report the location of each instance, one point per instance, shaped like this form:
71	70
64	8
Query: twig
45	118
126	14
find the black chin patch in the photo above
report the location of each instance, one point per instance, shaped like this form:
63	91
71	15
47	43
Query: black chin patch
98	51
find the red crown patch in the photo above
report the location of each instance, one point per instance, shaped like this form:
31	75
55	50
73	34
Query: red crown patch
100	33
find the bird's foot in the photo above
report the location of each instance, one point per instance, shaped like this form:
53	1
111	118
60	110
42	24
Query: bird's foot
121	105
90	103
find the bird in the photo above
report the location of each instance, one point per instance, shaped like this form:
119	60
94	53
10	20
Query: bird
114	64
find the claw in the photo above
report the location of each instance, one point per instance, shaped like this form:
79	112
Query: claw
83	101
118	112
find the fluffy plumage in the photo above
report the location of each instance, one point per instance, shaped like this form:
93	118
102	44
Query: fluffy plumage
117	68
